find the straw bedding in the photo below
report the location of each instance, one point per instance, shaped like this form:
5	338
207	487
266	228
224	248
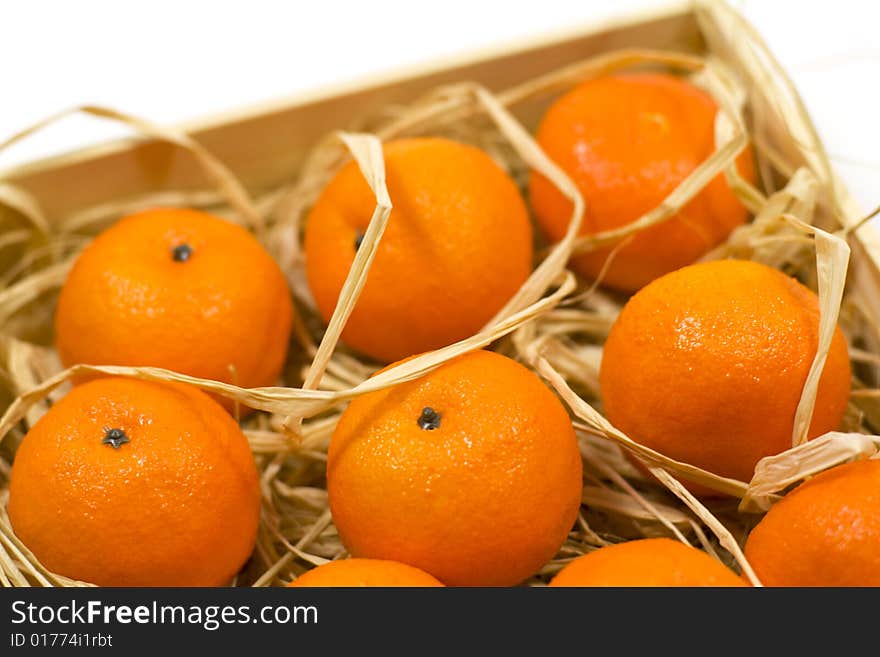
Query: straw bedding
555	324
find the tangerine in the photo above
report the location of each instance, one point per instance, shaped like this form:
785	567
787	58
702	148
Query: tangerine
627	141
826	532
646	562
177	289
457	246
133	483
471	473
364	572
706	365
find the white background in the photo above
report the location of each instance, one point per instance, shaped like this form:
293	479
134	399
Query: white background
175	61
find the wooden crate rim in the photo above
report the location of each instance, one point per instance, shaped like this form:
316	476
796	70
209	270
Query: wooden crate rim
195	126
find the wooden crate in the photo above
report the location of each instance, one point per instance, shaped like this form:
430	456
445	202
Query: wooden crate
266	146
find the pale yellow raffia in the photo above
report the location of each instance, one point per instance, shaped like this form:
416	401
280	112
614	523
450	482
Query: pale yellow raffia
552	324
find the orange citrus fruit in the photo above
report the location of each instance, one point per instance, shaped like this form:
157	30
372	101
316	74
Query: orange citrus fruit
706	365
132	483
826	532
627	141
471	473
646	562
177	289
458	245
365	572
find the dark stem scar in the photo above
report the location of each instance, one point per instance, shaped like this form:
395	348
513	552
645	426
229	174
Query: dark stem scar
116	438
181	252
429	419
